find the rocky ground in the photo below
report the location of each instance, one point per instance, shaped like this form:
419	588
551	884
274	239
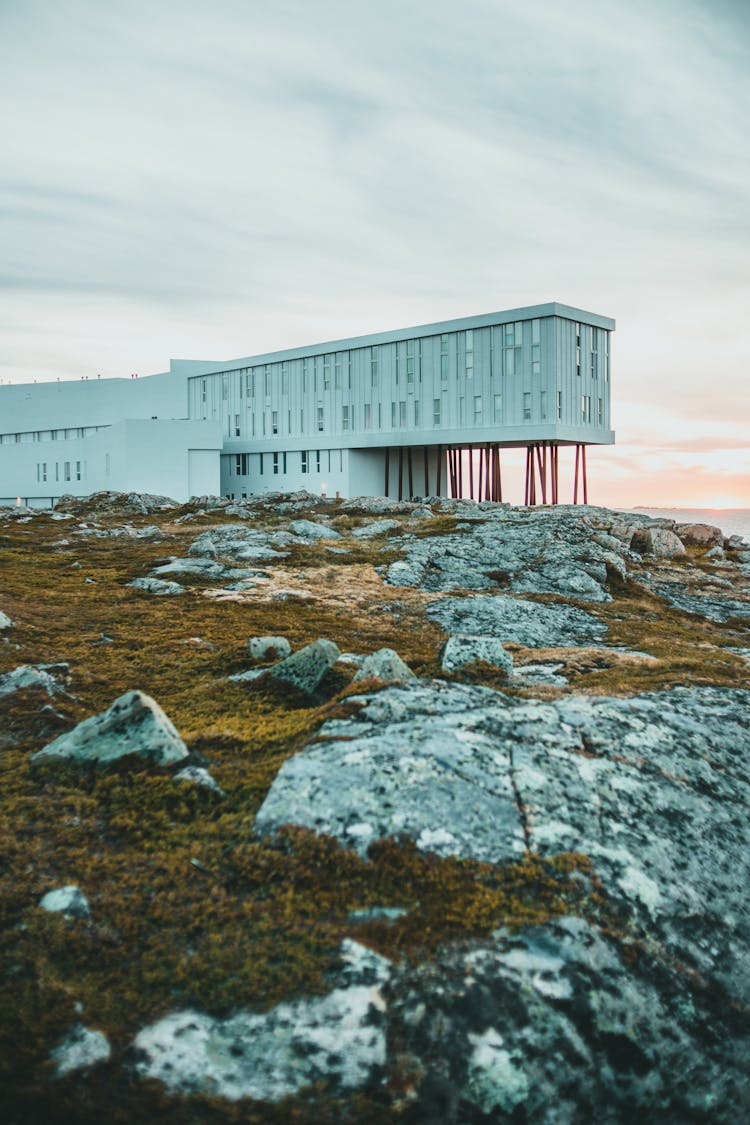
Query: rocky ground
366	811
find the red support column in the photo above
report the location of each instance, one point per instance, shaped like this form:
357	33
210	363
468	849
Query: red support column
541	459
481	475
585	478
575	481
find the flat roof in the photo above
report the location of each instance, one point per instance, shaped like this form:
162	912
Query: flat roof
530	312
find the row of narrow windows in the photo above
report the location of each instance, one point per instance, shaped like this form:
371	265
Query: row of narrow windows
406	413
316	460
69	434
63	471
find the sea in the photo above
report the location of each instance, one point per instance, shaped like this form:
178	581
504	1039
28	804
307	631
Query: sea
732	521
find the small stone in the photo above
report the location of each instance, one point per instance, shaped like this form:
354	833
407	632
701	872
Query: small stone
81	1048
269	648
385	664
69	900
197	775
34	676
715	553
461	650
134	724
307	667
5	621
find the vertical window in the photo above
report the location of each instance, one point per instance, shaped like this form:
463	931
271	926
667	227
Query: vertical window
78	470
606	356
274	421
410	363
373	367
283	462
402	415
526	405
276	462
337	371
443	359
288	421
203	389
67	470
305	462
543	404
510	362
305	376
462	411
578	349
301	421
419	360
326	372
436	412
236	425
368	416
417	412
225	386
285	378
348	369
38	472
599	414
44	470
106	466
380	415
317	460
344	417
398	364
260	463
583	408
477	409
509	331
267	379
559	406
497	408
536	348
469	353
320	419
238	464
249	384
394	415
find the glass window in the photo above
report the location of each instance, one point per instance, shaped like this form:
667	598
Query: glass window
417	413
337	371
436	412
305	463
267	379
510	362
535	332
326	372
67	470
368	416
497	408
444	359
236	425
305	376
285	378
410	362
317	460
276	462
344	417
373	368
320	419
402	415
469	353
274	421
559	405
477	409
543	404
510	335
394	415
225	386
526	405
599	414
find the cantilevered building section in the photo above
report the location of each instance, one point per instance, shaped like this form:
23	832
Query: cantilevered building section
416	412
419	411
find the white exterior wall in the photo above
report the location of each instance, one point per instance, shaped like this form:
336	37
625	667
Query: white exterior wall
129	456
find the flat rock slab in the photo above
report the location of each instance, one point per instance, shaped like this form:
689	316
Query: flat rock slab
338	1039
235	542
43	676
158	586
716	609
308	529
655	788
377	527
516	620
134	724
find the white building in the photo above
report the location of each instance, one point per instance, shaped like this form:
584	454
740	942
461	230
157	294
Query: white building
413	412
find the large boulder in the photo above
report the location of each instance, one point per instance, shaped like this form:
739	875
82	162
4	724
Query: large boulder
134	725
305	668
377	527
308	529
700	534
659	542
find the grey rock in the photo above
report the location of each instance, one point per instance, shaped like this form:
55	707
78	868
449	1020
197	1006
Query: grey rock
69	900
659	542
305	668
377	505
43	676
338	1039
513	619
134	724
735	543
532	674
157	586
269	648
385	664
460	650
81	1049
248	677
234	542
377	527
654	788
717	609
200	566
714	553
308	529
5	621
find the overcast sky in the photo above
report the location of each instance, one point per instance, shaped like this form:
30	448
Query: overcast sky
212	180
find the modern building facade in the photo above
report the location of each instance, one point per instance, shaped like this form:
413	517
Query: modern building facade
413	412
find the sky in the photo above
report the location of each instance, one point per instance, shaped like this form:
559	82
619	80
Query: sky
184	179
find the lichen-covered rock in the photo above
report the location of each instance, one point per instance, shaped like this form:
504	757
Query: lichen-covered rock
338	1039
81	1049
5	621
198	775
305	668
308	529
200	566
269	648
377	527
708	605
514	619
659	542
134	724
234	542
385	664
44	676
69	900
461	650
157	586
